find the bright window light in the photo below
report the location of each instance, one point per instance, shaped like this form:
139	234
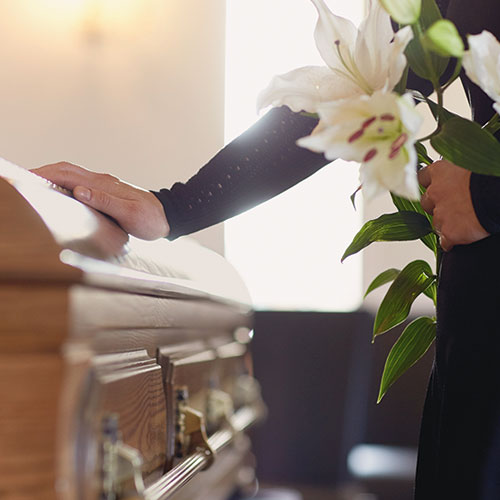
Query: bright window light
288	249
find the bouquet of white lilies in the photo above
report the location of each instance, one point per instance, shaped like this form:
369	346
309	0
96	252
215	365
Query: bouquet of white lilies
368	115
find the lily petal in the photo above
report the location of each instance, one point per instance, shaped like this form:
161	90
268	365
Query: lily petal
330	29
377	131
411	119
303	89
482	63
373	43
359	62
396	59
399	176
333	143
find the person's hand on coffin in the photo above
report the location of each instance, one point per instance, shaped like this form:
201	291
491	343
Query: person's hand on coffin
136	210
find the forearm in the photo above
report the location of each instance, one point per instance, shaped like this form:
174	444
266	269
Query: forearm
259	164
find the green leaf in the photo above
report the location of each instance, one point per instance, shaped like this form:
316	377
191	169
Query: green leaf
431	292
466	144
396	305
408	349
423	157
443	39
400	87
404	205
430	66
430	13
401	226
384	277
353	197
403	11
440	112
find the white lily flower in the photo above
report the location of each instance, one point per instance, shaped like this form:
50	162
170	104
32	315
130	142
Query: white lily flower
378	131
482	64
359	61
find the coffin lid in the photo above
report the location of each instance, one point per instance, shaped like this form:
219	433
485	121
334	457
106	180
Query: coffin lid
48	236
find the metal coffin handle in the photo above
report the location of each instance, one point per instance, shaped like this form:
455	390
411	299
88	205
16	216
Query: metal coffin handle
172	481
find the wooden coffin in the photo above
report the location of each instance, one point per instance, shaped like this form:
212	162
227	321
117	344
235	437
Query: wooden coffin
124	365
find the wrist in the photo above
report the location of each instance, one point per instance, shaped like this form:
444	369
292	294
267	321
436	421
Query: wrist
161	224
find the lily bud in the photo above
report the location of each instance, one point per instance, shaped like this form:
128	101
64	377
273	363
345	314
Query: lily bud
443	39
403	11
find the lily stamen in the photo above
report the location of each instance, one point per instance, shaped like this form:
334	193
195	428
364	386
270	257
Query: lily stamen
394	153
370	155
356	76
368	122
356	135
399	142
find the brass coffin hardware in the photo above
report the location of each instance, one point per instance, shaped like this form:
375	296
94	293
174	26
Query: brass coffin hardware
121	465
220	409
188	467
191	434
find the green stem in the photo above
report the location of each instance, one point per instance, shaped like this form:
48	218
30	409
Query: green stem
431	135
439	93
417	31
456	73
493	124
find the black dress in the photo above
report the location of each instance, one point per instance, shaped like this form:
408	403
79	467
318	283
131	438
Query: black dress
459	450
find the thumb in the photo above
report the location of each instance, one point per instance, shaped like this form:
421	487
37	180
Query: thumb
445	243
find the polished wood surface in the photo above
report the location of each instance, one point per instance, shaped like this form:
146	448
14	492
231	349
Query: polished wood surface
91	332
30	387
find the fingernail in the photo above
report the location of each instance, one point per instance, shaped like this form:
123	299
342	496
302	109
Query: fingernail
82	193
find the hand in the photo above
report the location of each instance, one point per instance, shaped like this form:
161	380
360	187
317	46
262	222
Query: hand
449	201
137	211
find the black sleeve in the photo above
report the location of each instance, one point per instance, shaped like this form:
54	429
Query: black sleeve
259	164
485	194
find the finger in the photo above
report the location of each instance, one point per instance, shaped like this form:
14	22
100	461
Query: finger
65	174
424	177
107	203
427	204
70	176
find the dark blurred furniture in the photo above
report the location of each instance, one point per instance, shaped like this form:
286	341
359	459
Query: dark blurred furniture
320	375
315	371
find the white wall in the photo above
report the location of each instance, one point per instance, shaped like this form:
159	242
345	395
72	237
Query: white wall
130	87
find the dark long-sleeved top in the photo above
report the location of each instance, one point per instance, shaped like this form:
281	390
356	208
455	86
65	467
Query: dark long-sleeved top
259	164
264	161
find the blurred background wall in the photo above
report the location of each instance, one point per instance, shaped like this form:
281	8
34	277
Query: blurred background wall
130	87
